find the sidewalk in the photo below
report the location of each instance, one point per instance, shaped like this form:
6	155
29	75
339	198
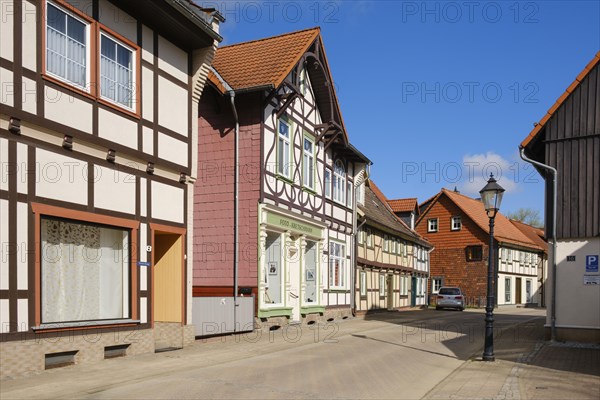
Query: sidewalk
526	367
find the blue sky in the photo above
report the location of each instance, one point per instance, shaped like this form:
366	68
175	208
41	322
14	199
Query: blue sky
438	92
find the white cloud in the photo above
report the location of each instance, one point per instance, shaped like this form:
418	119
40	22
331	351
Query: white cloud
477	169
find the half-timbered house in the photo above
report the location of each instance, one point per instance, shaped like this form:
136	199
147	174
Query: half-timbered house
458	227
289	204
392	260
98	102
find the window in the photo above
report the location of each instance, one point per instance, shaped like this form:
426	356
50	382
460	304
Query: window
349	187
283	149
436	284
70	36
405	249
272	271
361	236
381	285
67	46
432	225
474	253
337	254
503	254
308	164
507	290
84	271
363	284
522	257
327	183
339	182
311	272
456	224
394	246
369	238
386	243
360	194
528	294
517	256
510	255
117	68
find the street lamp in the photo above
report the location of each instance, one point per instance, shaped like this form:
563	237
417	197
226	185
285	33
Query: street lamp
491	196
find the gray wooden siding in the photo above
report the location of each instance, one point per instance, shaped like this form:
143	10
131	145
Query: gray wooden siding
572	146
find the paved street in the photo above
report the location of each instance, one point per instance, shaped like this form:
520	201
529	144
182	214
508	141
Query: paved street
397	355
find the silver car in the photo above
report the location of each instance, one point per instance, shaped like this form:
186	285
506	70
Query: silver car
450	297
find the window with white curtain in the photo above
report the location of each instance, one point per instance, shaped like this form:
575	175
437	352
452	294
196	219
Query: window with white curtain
339	182
116	71
381	285
283	149
308	164
84	272
327	183
363	284
337	254
67	46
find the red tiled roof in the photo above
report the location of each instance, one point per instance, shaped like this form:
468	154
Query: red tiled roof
504	231
536	130
262	62
536	235
403	205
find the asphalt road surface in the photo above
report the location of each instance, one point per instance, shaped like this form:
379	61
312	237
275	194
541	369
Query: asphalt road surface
400	355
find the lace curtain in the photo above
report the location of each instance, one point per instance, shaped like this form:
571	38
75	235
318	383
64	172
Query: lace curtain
84	272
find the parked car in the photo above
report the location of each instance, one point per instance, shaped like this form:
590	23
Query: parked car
450	297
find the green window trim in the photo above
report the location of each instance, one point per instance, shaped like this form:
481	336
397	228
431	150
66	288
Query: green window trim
290	176
311	139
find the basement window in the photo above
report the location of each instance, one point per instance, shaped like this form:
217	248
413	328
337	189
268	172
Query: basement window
474	253
119	350
62	359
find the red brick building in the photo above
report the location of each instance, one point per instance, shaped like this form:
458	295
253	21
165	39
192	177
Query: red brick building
458	227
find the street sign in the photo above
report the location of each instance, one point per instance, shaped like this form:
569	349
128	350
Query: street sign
143	264
591	263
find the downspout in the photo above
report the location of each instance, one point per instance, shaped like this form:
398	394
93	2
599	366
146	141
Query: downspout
236	189
354	241
553	237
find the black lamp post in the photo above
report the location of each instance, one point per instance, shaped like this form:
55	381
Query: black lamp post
491	196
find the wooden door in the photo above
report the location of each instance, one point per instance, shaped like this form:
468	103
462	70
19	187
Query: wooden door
518	291
168	277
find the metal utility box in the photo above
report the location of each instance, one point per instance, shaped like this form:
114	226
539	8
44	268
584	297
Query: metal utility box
218	315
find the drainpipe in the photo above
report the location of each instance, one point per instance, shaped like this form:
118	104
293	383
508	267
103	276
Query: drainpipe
553	237
236	188
354	241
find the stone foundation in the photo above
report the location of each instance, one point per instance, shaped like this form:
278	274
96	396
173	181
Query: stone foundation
27	356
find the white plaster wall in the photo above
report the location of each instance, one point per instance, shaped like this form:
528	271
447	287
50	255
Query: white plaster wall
147	94
173	60
22	243
61	178
143	197
147	140
147	44
7	87
173	106
22	315
79	115
143	310
22	168
29	95
172	149
577	305
118	129
3	164
118	20
29	39
4	316
114	190
167	202
7	10
3	245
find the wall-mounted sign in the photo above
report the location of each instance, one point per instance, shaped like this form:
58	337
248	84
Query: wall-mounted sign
570	258
293	225
591	263
591	279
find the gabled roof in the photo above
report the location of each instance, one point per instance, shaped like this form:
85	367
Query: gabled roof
376	209
504	231
538	128
263	62
536	235
403	205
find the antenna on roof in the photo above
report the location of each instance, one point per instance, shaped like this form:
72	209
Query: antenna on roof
456	190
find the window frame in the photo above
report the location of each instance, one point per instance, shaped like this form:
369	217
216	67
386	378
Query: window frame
342	259
290	141
369	241
507	290
127	44
386	243
341	178
92	89
89	22
308	138
327	182
40	210
382	284
363	284
456	226
433	284
474	253
430	227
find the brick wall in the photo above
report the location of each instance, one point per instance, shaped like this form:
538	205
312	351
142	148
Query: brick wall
214	191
